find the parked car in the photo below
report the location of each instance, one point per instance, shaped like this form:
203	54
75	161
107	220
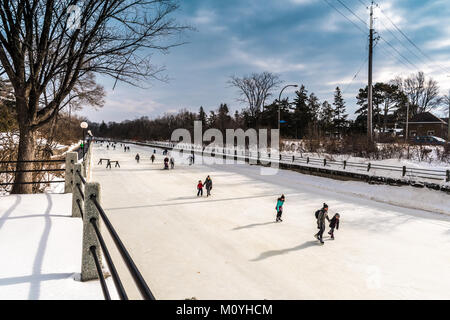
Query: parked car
429	140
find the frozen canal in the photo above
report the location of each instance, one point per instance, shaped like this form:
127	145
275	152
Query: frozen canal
228	246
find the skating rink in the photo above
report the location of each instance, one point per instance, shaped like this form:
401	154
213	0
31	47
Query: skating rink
228	246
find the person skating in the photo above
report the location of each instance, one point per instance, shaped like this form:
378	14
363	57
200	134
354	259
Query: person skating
334	224
166	163
321	215
200	188
172	162
208	185
137	157
279	208
152	158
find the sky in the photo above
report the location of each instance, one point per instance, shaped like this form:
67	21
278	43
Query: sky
303	41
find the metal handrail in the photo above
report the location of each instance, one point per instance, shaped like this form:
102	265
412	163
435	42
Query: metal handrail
81	177
37	170
80	191
112	268
39	182
79	207
100	273
137	277
34	161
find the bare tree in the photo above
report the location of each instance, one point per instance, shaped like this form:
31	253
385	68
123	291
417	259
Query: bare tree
446	102
255	89
422	93
47	46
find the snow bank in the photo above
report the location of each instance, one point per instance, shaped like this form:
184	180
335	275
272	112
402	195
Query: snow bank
41	248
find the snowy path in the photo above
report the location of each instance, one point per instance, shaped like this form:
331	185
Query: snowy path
40	246
227	246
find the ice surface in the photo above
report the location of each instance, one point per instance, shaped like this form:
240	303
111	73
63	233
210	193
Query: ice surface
394	242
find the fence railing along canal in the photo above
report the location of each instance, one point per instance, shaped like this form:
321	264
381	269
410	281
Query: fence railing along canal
86	203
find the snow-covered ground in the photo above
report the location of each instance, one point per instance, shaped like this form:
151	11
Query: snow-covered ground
394	242
40	246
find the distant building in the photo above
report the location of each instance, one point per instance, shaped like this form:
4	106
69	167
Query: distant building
427	124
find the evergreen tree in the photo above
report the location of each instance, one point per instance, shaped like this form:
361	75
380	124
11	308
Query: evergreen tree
314	110
223	118
301	113
202	116
326	117
340	117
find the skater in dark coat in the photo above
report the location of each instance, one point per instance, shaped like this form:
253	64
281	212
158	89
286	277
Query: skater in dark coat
208	185
137	157
200	188
152	158
166	163
321	215
279	208
172	162
334	224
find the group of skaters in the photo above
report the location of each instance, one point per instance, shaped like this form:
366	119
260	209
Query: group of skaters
167	161
112	145
207	185
321	218
126	148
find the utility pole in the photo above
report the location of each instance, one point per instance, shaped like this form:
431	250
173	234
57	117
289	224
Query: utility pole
370	89
447	99
407	122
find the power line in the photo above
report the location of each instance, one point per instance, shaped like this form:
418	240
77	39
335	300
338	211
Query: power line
352	12
360	19
354	77
409	40
399	53
342	14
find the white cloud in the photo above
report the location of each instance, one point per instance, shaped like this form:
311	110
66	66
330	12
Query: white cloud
272	64
301	2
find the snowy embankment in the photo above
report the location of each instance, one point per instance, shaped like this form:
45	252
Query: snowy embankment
434	159
41	248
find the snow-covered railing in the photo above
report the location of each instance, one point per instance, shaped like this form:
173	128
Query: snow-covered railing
369	172
86	203
404	171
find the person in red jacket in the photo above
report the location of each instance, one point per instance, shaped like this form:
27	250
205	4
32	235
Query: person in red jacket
200	188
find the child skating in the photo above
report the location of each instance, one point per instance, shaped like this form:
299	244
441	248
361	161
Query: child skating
334	224
279	208
200	188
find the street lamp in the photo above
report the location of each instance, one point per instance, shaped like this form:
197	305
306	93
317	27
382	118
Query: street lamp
84	126
279	110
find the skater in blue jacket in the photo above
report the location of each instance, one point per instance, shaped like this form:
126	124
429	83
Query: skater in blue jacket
279	208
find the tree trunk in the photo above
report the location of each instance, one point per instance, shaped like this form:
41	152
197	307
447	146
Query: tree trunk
27	146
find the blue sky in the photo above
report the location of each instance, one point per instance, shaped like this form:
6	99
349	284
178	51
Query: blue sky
304	41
